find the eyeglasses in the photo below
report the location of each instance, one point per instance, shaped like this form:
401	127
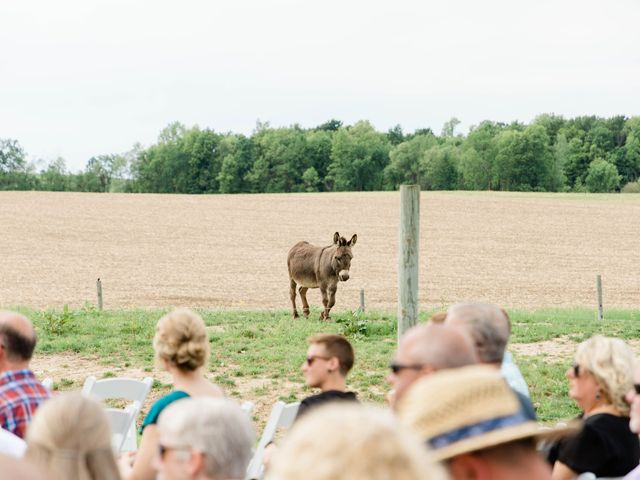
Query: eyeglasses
163	449
636	387
312	358
398	367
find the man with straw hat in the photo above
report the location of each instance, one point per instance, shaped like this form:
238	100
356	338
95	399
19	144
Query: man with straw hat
474	423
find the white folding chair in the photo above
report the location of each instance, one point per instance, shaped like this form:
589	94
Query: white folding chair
123	425
282	416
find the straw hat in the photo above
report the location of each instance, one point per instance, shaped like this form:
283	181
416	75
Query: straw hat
466	409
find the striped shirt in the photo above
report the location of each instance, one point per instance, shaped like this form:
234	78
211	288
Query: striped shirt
20	396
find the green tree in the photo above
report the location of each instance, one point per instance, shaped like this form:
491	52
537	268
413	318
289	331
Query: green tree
439	165
15	173
236	153
602	177
524	159
55	177
280	160
405	161
449	127
311	180
478	157
358	157
561	156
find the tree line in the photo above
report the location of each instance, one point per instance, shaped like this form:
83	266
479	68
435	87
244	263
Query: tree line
582	154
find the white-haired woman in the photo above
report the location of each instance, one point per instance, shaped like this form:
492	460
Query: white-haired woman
598	381
181	346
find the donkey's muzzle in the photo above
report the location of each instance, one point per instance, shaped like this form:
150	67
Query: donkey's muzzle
343	275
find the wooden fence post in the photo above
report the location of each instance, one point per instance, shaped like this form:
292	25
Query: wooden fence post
599	288
362	300
408	253
99	288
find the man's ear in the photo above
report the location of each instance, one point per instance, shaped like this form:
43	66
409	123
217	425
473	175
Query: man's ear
466	467
333	364
196	463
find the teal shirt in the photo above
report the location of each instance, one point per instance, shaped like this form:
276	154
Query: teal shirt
160	405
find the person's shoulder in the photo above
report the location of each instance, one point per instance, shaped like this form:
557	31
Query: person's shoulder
160	404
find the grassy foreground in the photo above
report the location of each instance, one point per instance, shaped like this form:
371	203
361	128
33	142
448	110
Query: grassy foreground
270	345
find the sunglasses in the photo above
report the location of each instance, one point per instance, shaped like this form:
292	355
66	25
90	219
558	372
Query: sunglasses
312	358
398	367
576	370
163	449
636	387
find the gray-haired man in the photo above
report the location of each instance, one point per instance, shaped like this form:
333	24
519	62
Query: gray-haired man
203	439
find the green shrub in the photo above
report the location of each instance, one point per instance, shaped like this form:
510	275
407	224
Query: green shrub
602	177
631	187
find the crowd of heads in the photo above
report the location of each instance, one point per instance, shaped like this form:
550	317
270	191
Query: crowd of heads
456	410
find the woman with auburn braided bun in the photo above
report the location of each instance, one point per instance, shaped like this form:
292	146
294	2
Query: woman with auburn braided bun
181	346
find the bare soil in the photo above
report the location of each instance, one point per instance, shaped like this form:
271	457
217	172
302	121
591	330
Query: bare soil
229	251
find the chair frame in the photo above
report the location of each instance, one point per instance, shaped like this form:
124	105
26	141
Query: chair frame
282	416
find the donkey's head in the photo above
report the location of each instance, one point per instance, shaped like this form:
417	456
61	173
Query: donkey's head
341	261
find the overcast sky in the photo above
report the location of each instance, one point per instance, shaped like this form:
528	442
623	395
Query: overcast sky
82	77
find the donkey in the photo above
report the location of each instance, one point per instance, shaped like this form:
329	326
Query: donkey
323	267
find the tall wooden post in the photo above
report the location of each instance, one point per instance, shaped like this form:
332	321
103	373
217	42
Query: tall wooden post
599	288
408	250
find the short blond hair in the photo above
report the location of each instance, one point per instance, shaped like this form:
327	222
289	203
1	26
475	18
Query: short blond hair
181	339
611	362
70	437
340	442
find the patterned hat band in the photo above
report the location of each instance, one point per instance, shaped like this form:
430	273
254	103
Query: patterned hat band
475	430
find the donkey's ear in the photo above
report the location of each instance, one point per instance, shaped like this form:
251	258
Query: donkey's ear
353	240
336	238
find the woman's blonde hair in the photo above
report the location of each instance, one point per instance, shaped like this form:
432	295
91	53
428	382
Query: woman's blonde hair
340	442
611	362
181	339
70	438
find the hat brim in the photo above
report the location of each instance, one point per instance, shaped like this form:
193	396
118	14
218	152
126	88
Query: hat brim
498	437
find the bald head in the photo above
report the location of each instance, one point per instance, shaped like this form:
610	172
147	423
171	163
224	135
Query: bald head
17	336
424	349
487	325
438	345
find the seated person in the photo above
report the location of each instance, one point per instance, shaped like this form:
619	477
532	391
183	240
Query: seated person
475	424
204	439
345	441
329	359
70	438
598	382
181	345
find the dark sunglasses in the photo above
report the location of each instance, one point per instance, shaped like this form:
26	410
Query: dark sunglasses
576	370
312	358
163	449
636	387
398	367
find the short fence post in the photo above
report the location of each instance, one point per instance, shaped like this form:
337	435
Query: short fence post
362	300
99	288
599	288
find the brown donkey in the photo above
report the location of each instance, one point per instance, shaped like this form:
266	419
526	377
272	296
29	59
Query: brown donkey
323	267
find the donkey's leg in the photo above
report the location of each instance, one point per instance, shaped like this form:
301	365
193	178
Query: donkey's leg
303	299
292	295
325	301
332	301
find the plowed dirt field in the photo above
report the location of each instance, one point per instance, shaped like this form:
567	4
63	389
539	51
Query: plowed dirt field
229	251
